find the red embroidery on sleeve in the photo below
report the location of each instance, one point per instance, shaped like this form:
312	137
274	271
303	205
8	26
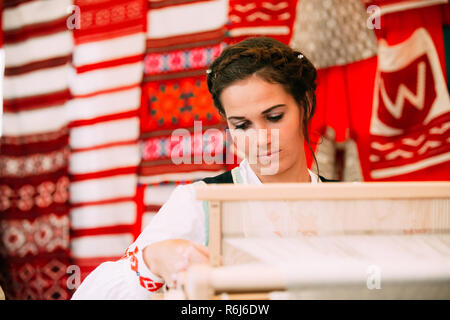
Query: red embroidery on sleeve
146	283
149	284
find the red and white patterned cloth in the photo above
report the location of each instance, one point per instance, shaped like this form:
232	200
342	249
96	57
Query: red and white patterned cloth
104	128
183	38
409	129
272	18
130	73
390	112
34	196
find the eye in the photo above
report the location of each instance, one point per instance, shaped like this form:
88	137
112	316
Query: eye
275	118
242	125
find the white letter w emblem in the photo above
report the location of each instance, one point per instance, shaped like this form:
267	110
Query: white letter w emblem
417	100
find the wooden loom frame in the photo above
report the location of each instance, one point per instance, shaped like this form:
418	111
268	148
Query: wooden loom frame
197	288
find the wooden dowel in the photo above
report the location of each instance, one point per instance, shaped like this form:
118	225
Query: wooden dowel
248	278
215	233
243	296
325	191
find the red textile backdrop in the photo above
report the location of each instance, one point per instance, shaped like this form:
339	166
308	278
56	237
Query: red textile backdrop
34	205
91	100
104	128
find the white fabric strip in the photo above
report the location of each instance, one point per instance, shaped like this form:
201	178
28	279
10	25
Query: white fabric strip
104	132
146	219
408	5
105	50
419	165
158	195
104	159
34	12
100	246
275	30
34	121
179	176
107	78
104	104
56	45
103	188
186	19
36	83
104	215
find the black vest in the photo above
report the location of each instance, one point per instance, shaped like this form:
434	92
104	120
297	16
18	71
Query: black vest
226	177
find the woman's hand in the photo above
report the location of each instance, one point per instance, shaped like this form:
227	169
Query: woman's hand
168	258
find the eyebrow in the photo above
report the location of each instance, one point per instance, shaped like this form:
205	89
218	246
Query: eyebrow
264	112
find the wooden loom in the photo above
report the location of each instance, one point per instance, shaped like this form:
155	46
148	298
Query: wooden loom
325	241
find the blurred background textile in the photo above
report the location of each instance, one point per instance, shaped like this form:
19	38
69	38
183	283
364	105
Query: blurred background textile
92	91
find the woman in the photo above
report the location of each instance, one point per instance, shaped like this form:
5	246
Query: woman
258	85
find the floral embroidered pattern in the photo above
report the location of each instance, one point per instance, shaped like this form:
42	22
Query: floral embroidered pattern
42	195
177	104
178	60
101	19
45	234
39	279
35	164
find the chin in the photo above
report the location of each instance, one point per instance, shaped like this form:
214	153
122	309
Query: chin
272	168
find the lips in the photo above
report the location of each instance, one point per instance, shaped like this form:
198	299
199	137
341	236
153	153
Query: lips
268	154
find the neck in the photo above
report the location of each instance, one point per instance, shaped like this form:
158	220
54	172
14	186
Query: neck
297	173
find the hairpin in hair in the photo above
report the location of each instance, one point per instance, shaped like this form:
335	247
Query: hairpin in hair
300	56
208	71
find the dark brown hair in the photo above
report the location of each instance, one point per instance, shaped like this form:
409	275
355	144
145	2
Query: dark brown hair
274	62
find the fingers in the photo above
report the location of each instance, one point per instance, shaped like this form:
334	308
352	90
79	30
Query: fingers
177	255
173	280
190	254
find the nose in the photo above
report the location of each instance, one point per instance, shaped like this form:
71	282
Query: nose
263	135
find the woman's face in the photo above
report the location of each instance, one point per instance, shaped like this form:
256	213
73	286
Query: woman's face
269	121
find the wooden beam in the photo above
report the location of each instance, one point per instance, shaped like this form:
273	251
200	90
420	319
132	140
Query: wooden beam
325	191
215	233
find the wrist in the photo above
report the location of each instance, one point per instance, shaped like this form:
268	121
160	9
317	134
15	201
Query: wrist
150	260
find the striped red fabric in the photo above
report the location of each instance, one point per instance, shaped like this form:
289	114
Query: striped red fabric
87	155
108	54
274	18
34	209
175	94
106	19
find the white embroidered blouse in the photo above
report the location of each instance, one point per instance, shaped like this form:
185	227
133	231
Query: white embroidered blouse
181	217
